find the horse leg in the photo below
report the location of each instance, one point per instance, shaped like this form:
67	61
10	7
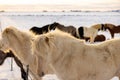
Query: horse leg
92	38
23	73
93	35
112	34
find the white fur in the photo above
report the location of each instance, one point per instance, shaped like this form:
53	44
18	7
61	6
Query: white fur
72	59
20	43
90	32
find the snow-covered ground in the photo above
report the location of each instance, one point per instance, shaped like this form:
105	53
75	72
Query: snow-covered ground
25	20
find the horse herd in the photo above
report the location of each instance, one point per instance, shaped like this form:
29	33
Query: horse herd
61	50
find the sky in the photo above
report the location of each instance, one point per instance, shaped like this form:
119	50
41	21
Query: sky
36	5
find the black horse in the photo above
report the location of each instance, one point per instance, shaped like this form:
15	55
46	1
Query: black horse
3	56
44	29
53	26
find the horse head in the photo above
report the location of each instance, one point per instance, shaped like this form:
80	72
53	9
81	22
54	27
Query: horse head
10	35
109	26
54	25
103	28
36	30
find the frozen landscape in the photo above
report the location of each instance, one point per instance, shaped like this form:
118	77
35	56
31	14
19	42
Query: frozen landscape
25	20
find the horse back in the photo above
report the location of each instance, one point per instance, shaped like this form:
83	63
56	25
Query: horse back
116	29
36	30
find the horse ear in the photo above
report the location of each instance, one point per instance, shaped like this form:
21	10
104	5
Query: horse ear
47	41
7	30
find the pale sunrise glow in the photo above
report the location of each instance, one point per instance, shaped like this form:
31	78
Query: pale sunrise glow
60	4
80	2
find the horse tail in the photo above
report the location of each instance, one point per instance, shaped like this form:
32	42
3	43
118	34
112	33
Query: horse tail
81	32
102	27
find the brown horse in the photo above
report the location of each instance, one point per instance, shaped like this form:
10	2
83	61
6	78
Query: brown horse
3	57
98	38
118	26
70	29
112	28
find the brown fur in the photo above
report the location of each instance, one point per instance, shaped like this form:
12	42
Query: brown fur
118	26
112	28
72	59
98	38
68	29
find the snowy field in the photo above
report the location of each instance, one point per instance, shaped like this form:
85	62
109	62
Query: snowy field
26	20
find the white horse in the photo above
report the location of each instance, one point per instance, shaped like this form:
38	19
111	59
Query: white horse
72	59
20	43
90	32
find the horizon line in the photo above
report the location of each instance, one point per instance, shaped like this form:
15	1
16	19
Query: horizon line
55	7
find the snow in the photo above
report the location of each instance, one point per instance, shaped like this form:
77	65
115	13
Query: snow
25	20
7	74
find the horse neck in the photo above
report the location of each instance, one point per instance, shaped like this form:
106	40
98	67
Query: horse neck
109	26
3	57
61	46
23	50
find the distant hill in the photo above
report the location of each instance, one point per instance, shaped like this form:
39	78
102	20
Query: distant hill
115	11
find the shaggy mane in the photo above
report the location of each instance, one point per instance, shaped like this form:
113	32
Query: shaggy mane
72	59
58	33
111	26
20	43
12	34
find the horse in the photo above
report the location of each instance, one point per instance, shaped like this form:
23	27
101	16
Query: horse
3	57
20	43
112	28
91	32
118	25
73	59
47	28
38	30
98	38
